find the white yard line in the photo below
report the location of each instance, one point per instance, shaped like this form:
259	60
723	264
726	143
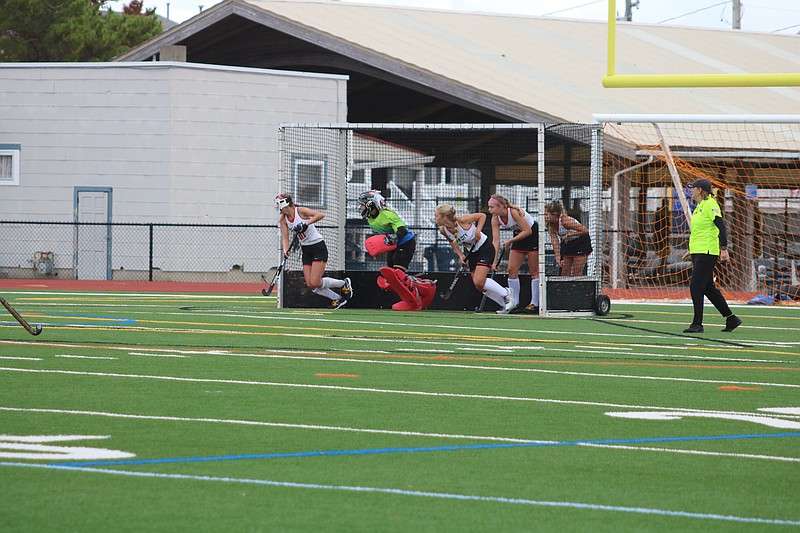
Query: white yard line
397	391
422	494
318	427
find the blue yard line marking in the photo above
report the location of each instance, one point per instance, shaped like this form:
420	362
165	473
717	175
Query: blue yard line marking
374	451
424	494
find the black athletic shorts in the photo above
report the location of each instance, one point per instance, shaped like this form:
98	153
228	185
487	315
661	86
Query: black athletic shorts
581	245
483	256
529	244
403	254
315	252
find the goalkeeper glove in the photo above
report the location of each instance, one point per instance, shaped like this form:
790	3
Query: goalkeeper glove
390	239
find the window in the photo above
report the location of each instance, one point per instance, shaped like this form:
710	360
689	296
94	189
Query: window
9	164
308	177
358	176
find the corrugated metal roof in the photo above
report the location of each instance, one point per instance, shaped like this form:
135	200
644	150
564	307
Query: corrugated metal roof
541	67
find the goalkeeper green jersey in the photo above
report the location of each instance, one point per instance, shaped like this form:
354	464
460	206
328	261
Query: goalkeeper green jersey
388	222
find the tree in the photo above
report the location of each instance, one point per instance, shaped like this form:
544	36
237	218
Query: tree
71	30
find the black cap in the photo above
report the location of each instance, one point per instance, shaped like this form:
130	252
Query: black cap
702	183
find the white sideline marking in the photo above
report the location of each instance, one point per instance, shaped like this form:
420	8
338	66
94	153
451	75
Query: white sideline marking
781	410
169	295
495	349
20	358
31	447
363	389
395	432
273	424
768	421
461	345
421	350
283	316
447	344
411	363
696	452
177	356
611	348
69	356
405	492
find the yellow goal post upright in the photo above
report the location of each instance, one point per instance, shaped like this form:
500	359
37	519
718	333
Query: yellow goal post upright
753	162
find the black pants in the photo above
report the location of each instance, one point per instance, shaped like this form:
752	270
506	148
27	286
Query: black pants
702	284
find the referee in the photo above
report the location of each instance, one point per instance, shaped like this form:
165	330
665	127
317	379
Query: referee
708	243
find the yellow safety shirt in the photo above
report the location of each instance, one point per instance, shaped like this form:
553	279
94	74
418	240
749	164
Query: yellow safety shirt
704	236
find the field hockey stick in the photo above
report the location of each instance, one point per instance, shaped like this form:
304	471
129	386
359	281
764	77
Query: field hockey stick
464	269
267	292
28	327
491	276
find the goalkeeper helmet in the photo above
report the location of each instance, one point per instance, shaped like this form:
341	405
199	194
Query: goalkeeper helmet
283	200
368	200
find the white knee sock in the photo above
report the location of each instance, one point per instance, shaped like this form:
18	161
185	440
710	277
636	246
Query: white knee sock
514	284
327	293
331	283
495	292
535	291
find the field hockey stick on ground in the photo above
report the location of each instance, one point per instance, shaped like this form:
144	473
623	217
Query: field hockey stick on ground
479	309
463	270
28	327
267	292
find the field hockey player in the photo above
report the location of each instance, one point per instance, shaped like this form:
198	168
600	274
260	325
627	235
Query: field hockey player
300	222
523	245
473	247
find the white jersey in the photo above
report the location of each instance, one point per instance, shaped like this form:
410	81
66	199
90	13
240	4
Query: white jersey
466	237
309	236
561	229
512	224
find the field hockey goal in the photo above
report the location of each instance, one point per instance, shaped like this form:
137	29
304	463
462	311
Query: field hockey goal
419	166
753	163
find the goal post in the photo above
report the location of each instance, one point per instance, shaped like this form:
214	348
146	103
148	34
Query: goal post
753	162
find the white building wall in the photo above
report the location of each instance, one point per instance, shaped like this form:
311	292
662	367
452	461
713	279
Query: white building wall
178	143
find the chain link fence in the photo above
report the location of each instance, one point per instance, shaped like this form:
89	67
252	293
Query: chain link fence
180	252
138	251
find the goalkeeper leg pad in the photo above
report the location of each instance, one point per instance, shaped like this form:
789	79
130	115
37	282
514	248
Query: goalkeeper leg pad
398	282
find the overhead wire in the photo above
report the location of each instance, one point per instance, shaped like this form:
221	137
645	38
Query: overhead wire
692	12
573	7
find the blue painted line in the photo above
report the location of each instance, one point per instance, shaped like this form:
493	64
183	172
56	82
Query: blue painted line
375	451
425	494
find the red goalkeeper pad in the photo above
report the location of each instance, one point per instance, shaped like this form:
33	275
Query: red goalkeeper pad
375	245
416	294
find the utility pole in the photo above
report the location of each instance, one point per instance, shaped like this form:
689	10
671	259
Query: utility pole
629	5
737	15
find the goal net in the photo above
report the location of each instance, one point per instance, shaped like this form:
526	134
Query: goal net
420	166
753	163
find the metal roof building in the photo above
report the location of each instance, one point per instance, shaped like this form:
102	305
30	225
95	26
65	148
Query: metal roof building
423	65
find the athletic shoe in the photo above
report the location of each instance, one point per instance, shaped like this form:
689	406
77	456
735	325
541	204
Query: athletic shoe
532	309
347	289
731	323
509	299
694	328
336	304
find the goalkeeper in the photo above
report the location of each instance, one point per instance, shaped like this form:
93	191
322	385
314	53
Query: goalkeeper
415	294
384	221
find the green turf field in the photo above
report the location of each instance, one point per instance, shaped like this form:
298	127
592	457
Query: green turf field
135	412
